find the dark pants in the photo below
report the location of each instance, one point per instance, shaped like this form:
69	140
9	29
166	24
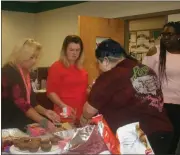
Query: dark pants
160	142
173	112
178	148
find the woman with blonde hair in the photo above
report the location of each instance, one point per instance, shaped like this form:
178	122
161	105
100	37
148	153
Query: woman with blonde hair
67	81
19	106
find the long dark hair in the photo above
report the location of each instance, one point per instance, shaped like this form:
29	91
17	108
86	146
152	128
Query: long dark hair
162	54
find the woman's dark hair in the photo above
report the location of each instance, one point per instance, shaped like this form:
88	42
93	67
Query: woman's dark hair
162	55
111	48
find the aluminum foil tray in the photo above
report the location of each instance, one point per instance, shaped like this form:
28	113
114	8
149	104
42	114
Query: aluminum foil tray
13	132
66	134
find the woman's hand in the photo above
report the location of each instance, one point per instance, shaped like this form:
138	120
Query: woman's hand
52	116
51	127
48	125
84	121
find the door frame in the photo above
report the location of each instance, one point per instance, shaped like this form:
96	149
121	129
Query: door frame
143	16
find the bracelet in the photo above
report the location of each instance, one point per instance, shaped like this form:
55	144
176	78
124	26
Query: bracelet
44	123
85	119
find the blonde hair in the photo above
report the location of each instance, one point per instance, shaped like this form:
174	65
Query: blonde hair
23	51
63	58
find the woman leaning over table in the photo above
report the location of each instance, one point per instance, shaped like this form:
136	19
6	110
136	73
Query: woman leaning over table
19	106
67	81
128	92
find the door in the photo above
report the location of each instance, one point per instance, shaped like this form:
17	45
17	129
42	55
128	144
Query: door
91	28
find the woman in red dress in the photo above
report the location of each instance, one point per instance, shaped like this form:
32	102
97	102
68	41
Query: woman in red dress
67	81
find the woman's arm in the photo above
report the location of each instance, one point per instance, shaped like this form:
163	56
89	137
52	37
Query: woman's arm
54	83
150	58
88	112
56	99
41	110
35	116
27	108
48	113
32	114
15	91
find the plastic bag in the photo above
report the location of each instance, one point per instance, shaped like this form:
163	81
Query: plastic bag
109	138
34	130
66	112
133	140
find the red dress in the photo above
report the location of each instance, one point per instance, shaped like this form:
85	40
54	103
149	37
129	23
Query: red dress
70	84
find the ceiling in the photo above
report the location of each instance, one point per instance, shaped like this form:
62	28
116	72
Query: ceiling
35	6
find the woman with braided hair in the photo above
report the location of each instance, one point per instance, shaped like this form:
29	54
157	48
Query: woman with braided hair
166	62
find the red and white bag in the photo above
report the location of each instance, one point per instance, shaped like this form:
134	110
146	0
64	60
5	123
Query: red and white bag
109	138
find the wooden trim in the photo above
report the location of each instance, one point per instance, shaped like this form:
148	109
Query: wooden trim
126	35
166	19
150	15
146	30
79	26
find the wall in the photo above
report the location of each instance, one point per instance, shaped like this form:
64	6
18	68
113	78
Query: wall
51	27
54	25
147	23
15	26
174	17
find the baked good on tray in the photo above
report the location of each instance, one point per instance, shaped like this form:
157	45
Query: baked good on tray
16	143
26	143
46	147
23	146
45	141
36	139
54	140
33	146
25	139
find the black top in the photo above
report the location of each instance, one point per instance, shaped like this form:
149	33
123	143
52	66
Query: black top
14	103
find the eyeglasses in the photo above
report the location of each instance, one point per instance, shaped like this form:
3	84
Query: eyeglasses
167	34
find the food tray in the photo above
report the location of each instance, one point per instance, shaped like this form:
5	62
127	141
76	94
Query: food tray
13	132
54	150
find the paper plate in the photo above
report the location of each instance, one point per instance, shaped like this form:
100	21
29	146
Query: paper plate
54	150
